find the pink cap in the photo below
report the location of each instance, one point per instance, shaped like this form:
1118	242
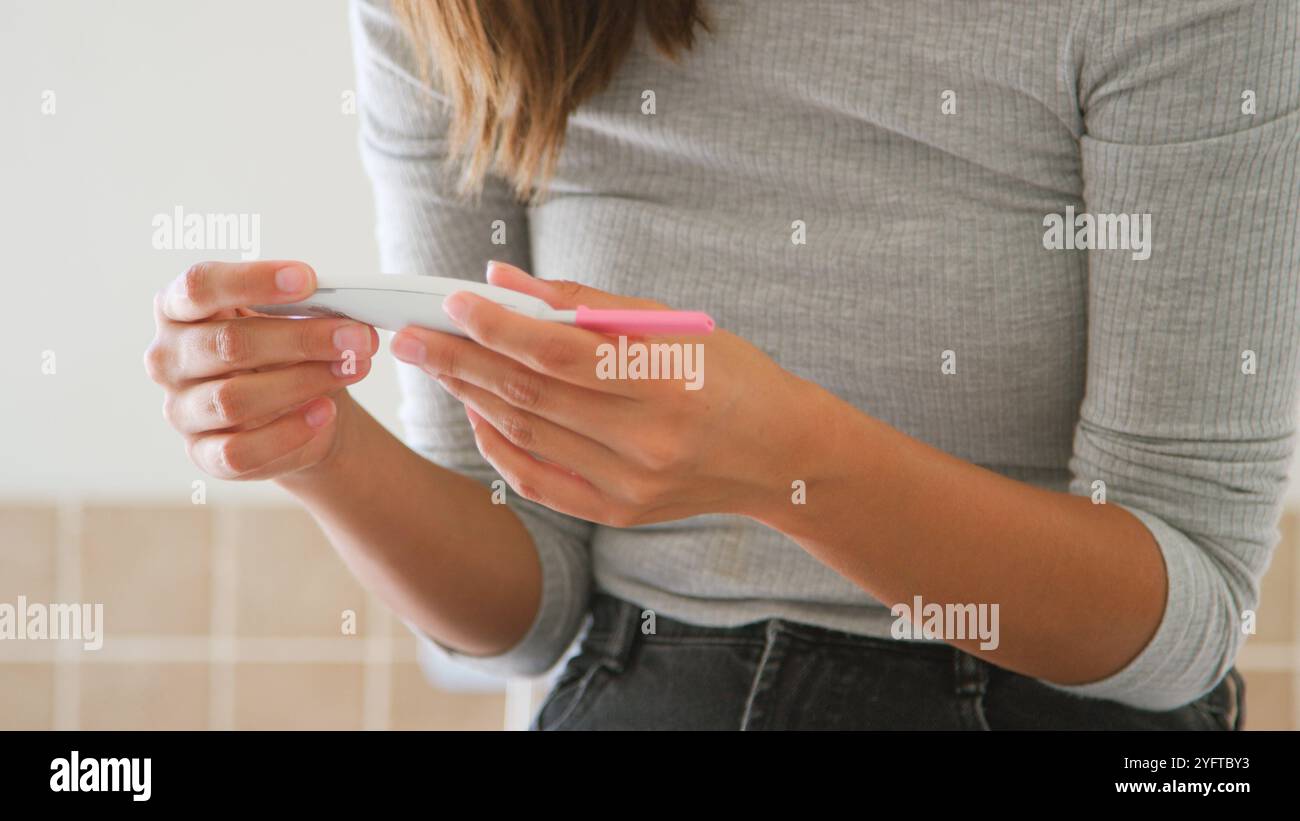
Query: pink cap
645	323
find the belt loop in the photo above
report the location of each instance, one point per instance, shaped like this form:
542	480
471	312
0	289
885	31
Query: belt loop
971	678
970	673
627	621
1236	699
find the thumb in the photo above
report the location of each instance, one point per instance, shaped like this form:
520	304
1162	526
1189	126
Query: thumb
559	293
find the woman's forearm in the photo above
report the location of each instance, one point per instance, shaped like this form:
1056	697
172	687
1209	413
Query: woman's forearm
426	540
1080	587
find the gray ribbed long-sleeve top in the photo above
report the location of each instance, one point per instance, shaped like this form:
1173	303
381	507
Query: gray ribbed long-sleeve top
920	146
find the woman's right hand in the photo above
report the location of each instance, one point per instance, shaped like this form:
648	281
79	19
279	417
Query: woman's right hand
254	396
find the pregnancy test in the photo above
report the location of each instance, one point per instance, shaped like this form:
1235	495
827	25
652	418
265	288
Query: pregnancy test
393	302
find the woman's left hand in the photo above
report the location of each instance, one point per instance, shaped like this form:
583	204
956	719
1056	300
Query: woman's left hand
621	452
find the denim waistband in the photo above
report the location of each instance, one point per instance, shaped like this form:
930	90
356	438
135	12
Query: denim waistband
617	625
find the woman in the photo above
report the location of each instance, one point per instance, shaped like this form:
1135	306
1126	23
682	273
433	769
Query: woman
955	462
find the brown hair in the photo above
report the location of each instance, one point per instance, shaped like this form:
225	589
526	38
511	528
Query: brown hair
513	71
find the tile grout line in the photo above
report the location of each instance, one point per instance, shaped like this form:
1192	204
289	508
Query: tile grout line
223	592
202	649
67	581
377	670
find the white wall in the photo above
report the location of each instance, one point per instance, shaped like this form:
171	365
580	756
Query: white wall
227	107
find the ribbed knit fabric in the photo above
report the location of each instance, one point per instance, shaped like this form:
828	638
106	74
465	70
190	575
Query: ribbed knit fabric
924	233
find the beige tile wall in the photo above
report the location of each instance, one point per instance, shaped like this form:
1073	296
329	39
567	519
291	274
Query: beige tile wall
224	618
234	619
1270	660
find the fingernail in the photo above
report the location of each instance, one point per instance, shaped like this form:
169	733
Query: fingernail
291	280
454	306
320	414
446	385
499	267
408	349
355	338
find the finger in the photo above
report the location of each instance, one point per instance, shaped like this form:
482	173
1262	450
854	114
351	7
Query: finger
207	349
252	453
566	404
557	445
548	485
560	293
559	351
208	288
219	404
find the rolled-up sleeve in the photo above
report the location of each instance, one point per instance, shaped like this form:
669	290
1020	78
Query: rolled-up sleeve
423	227
1192	114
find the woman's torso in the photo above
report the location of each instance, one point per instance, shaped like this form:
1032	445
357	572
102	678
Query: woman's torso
917	147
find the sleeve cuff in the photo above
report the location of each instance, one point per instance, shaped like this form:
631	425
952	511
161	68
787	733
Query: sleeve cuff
1184	659
554	625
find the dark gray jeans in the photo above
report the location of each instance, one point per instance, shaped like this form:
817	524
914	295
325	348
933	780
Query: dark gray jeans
778	675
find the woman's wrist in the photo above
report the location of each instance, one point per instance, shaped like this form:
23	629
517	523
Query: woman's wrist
349	420
817	440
